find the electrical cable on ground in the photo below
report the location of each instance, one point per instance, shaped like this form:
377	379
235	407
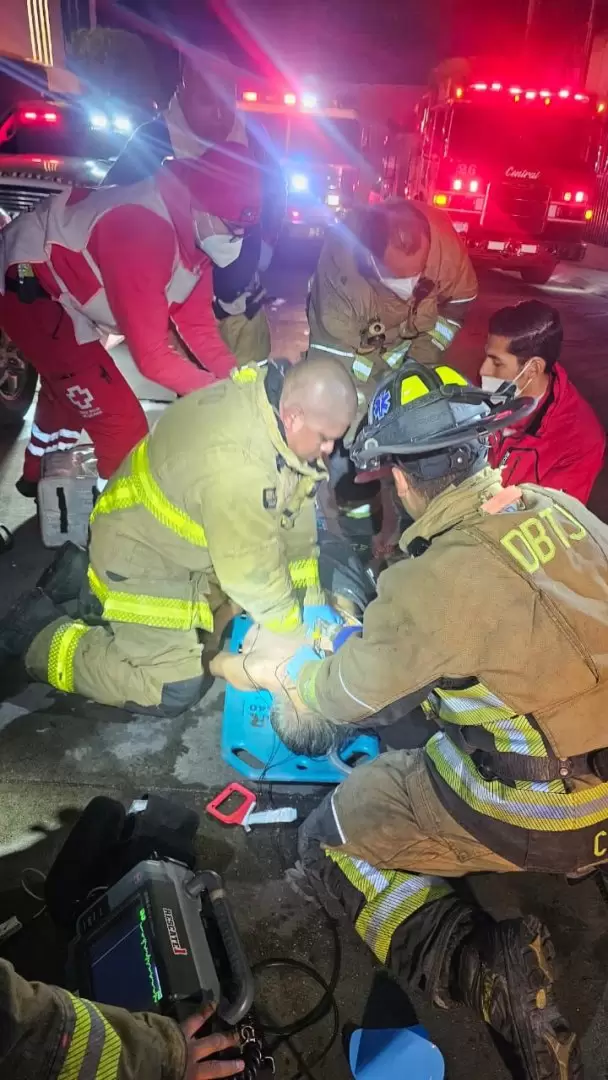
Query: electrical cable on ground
324	1007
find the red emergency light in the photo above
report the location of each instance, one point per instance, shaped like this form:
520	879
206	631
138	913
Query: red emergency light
32	116
250	95
515	90
564	94
530	95
479	86
290	99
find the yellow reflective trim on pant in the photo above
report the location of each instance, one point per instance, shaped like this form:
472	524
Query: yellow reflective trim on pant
95	1047
157	611
141	489
60	663
304	573
391	897
522	805
286	624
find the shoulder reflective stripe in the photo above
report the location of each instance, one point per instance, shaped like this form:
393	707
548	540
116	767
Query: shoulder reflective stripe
391	897
156	501
362	369
450	377
60	663
95	1048
467	300
37	451
476	706
159	611
285	625
141	489
304	573
545	811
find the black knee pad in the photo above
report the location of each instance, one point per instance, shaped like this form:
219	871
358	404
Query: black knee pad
176	699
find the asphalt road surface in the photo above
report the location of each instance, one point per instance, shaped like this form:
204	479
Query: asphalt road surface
56	753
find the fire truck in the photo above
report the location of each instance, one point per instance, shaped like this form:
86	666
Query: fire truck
315	141
514	167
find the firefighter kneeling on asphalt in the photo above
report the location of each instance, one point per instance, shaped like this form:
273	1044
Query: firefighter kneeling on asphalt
495	620
213	512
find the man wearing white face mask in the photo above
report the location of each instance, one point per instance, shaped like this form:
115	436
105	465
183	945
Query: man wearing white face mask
394	281
561	445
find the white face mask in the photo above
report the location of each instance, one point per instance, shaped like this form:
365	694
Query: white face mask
222	248
492	385
402	287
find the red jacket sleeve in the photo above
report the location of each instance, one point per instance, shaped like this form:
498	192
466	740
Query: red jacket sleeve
576	473
197	326
134	250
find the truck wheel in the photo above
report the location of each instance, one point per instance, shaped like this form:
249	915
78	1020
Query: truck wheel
537	275
17	383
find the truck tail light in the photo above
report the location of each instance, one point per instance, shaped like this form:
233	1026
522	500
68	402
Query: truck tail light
289	99
580	196
474	186
588	215
250	95
440	199
32	116
567	196
457	184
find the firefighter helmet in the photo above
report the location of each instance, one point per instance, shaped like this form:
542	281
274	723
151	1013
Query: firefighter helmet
434	418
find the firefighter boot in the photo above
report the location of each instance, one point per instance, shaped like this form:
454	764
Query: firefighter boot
64	578
503	971
32	612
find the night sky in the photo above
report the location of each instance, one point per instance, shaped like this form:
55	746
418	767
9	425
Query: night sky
371	40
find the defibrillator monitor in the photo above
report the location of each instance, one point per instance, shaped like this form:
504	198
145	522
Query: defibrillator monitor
162	939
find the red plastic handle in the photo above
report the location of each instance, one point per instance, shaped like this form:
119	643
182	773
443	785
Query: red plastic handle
237	816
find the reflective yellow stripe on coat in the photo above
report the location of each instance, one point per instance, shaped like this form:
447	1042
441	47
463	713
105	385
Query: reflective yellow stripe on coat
94	1049
141	489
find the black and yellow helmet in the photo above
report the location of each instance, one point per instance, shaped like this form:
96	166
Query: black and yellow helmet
434	418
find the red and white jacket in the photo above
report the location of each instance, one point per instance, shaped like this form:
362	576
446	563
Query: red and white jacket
112	258
560	446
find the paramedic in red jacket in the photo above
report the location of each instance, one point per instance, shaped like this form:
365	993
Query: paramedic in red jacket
561	445
131	261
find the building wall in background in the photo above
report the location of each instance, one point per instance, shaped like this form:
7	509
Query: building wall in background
33	29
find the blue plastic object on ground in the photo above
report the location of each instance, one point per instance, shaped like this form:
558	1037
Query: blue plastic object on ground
251	746
398	1053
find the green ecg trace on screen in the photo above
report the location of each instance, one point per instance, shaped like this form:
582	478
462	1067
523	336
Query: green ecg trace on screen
157	993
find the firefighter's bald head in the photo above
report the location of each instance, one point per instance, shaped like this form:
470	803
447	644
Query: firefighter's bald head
318	404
